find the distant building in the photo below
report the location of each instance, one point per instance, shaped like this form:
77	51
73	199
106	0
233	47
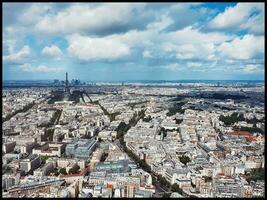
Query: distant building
227	187
56	82
45	170
68	163
27	147
81	148
9	147
120	166
9	180
50	149
75	82
31	163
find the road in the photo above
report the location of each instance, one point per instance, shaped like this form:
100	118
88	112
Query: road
160	189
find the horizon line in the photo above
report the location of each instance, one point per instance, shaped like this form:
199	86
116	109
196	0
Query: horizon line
129	79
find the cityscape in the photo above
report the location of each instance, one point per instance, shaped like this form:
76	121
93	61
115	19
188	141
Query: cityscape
87	128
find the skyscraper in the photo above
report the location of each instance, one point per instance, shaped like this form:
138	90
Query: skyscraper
67	89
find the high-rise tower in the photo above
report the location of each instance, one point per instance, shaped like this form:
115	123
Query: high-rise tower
67	89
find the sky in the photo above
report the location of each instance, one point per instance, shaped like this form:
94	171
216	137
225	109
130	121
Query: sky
133	41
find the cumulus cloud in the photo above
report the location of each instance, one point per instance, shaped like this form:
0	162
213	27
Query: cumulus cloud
147	54
19	56
11	12
192	11
251	68
52	51
34	13
246	47
39	69
184	55
20	19
243	16
161	24
88	48
9	45
172	67
189	51
230	61
98	19
191	43
193	64
191	35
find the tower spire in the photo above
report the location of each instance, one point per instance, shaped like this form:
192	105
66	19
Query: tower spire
67	90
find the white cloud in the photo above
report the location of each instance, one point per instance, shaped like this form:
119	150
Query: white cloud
52	51
88	48
20	56
23	19
211	57
252	68
39	69
247	47
9	45
190	35
190	43
132	38
255	24
172	67
193	64
34	13
230	61
242	17
184	55
199	51
161	24
187	43
90	18
147	54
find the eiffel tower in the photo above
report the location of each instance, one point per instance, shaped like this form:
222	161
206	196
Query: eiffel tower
67	89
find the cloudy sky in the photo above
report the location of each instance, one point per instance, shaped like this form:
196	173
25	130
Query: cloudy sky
137	41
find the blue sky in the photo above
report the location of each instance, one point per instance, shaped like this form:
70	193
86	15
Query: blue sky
133	41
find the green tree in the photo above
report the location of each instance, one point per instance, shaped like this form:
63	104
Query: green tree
207	178
122	129
184	159
103	157
112	116
178	121
163	131
75	169
176	108
231	119
256	174
175	188
147	119
44	158
63	171
166	195
251	129
163	181
55	171
199	168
